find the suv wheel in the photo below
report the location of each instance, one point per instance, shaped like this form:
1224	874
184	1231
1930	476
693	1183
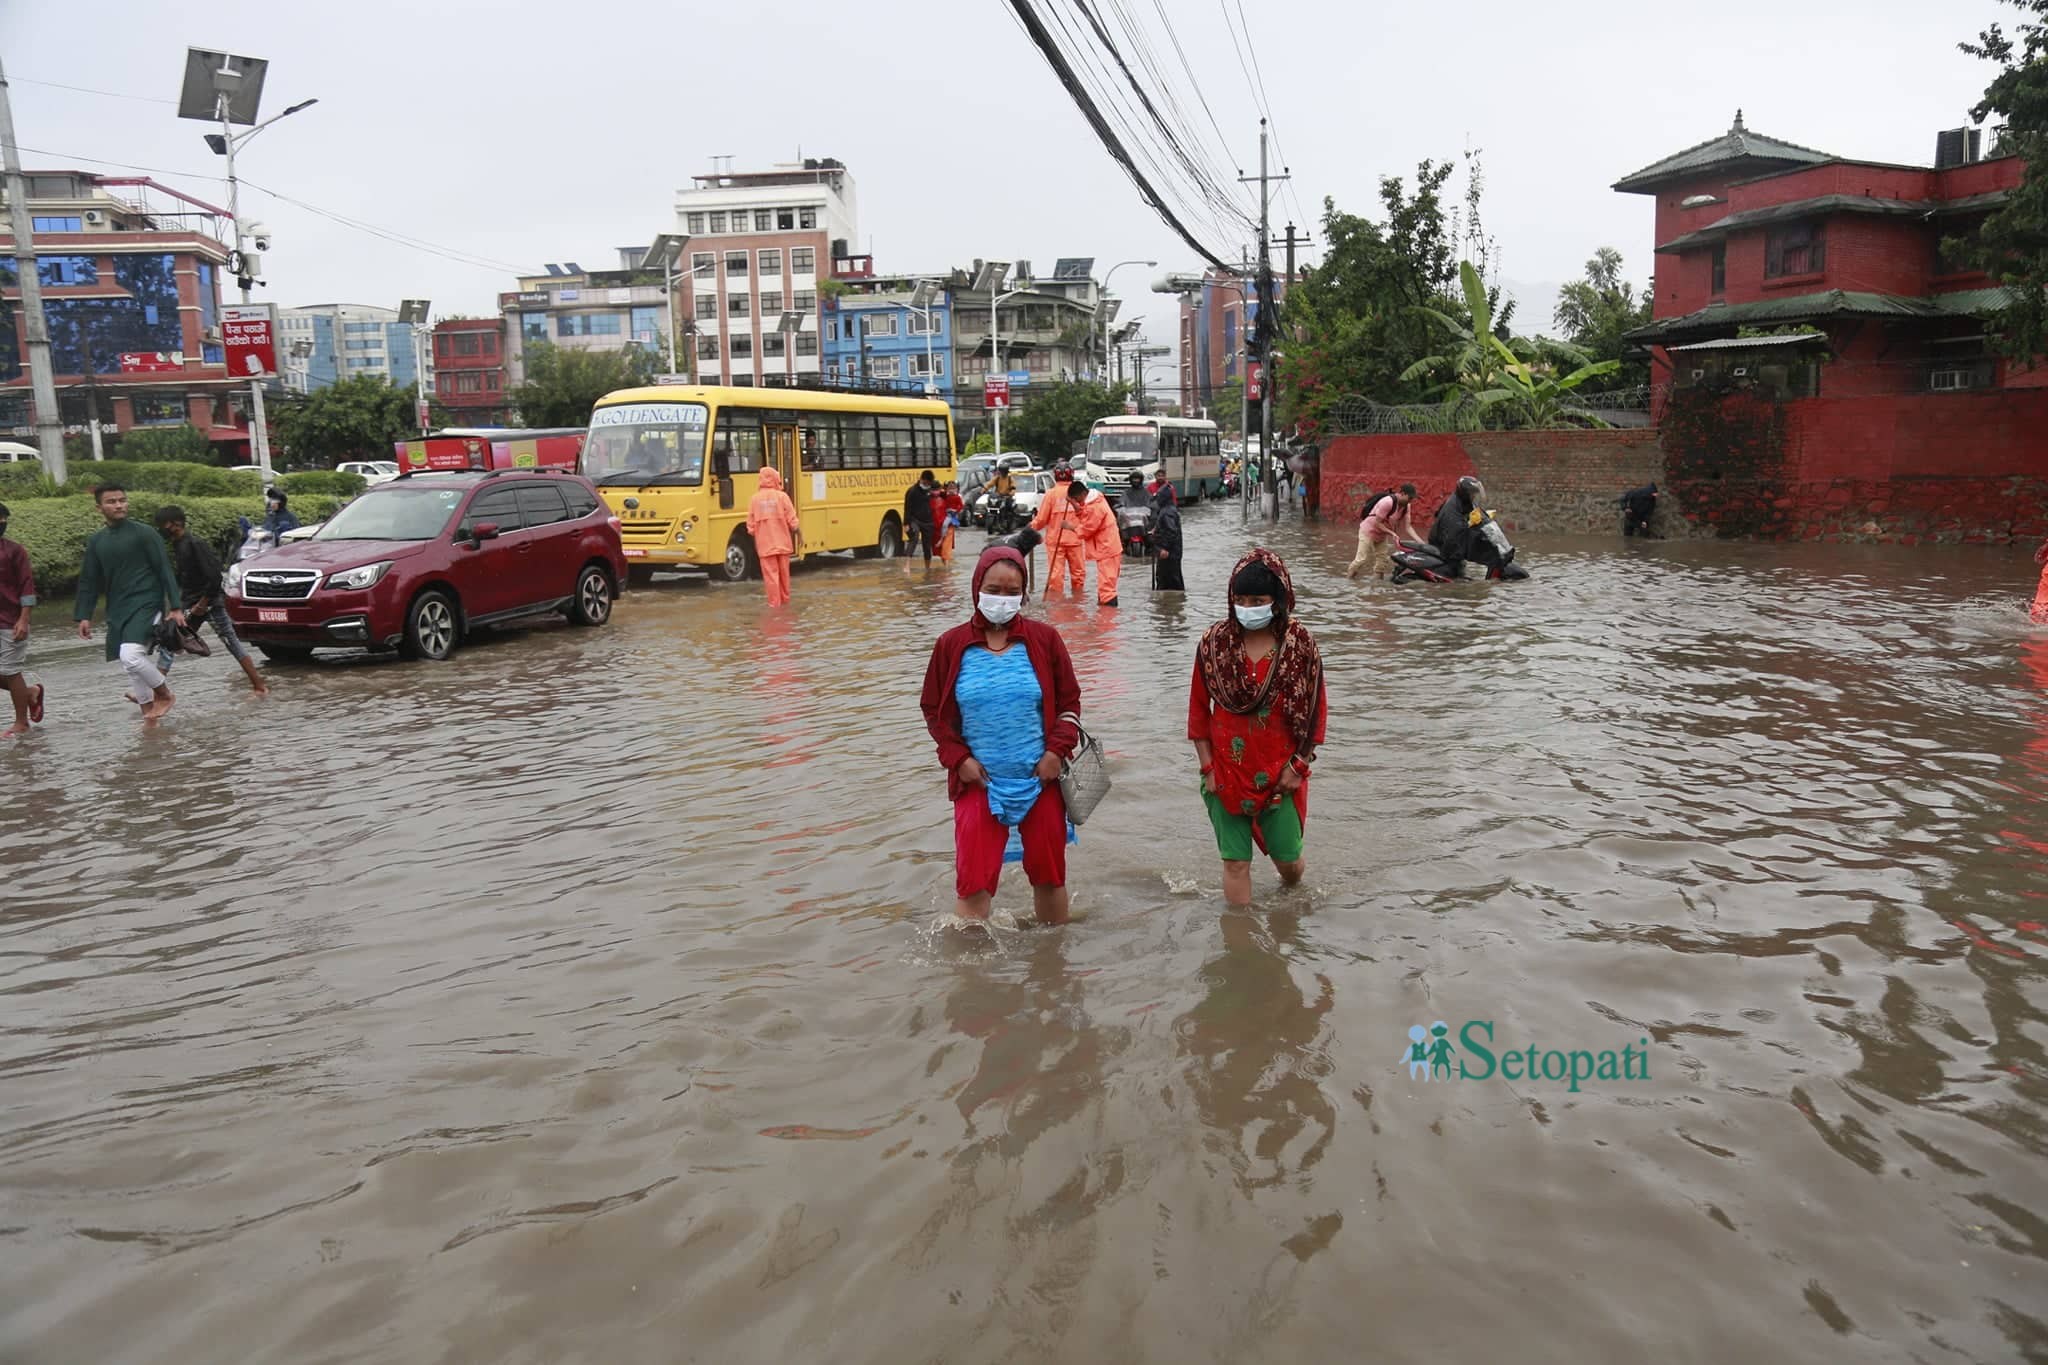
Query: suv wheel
739	562
431	628
592	605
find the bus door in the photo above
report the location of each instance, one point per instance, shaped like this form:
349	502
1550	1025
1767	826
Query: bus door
779	448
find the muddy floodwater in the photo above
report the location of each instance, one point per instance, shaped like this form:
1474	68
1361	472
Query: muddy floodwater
587	997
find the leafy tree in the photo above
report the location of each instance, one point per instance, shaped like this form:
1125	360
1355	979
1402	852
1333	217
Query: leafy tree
1052	421
1596	312
1501	376
182	442
984	443
1353	318
357	418
2012	246
562	386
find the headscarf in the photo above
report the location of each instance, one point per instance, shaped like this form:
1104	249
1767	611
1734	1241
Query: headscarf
1293	682
992	556
1165	497
771	479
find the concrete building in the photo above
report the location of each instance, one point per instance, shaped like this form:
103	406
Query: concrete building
873	334
322	342
585	310
1214	326
131	279
1756	233
758	243
469	370
1048	333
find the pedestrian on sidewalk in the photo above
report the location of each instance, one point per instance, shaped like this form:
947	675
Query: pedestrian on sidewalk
772	522
17	596
127	563
1384	525
1257	709
199	584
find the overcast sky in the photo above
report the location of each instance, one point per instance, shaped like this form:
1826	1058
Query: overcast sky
524	131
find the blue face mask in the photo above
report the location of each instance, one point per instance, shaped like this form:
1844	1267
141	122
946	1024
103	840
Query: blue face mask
1255	618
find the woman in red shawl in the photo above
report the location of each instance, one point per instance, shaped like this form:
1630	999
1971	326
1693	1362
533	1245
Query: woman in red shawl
2040	609
1256	713
1004	706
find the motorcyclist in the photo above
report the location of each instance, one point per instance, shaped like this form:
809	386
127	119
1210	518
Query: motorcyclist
1451	536
1002	502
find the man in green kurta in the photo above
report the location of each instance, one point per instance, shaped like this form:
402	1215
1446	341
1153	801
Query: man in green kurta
127	562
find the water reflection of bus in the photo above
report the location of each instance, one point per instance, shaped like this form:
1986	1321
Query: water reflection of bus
679	463
1189	451
490	448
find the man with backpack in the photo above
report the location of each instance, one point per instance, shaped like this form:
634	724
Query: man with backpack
1383	523
199	586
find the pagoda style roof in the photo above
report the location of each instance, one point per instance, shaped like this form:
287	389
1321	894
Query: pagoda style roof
1736	147
1723	318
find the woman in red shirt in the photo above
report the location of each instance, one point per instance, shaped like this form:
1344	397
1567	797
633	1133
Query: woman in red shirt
2040	611
1257	709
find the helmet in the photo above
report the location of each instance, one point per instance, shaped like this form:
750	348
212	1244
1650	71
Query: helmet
1469	489
1062	472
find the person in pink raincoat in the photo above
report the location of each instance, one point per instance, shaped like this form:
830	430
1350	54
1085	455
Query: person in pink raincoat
771	521
2040	610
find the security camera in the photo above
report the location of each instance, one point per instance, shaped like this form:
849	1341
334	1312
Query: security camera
261	233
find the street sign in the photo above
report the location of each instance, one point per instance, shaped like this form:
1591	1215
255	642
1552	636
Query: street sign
1255	382
152	362
995	394
1019	378
248	334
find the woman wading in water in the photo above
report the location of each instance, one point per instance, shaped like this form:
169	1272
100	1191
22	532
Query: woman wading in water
1256	713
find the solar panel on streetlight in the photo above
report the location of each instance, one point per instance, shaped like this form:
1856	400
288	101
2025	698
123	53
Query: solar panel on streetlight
414	311
666	250
990	276
921	297
791	322
210	75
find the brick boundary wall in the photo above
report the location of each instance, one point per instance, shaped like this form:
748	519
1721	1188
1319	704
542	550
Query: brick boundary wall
1904	469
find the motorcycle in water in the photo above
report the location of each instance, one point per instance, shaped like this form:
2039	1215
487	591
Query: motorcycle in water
1134	525
1000	515
1485	544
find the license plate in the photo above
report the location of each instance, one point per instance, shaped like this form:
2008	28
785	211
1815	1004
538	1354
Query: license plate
271	615
636	554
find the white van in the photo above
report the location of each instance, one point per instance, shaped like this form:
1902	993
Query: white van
14	452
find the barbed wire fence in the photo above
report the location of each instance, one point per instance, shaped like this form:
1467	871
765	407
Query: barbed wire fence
1357	415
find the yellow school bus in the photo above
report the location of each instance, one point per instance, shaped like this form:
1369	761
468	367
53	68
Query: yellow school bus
678	463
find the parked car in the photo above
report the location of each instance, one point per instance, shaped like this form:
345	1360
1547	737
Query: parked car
373	472
1032	484
416	564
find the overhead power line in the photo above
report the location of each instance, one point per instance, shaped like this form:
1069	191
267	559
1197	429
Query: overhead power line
456	254
88	90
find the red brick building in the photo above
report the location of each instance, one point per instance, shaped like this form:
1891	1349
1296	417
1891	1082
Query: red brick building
1756	233
131	283
469	370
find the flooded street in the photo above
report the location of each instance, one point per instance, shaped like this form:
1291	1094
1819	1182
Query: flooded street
585	997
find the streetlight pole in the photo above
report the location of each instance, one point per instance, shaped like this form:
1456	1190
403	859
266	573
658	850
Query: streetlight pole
1102	320
995	345
42	379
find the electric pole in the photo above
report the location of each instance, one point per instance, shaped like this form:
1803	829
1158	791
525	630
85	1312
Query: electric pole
42	381
1262	334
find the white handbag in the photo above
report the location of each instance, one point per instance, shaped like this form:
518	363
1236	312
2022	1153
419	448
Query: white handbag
1084	778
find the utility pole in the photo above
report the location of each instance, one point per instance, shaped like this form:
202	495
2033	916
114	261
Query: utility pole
1262	335
42	381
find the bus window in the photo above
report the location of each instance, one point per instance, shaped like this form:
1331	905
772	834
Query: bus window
861	447
738	449
899	450
642	443
932	446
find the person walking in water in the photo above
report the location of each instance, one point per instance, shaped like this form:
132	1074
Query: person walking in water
1257	710
1003	704
1638	505
1166	541
1386	523
771	521
948	507
198	571
2040	610
17	596
918	516
1070	519
127	563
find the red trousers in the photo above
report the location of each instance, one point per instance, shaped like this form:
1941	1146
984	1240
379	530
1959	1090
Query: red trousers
978	839
775	576
1075	559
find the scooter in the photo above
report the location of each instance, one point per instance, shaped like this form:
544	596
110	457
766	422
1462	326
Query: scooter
1486	545
1134	525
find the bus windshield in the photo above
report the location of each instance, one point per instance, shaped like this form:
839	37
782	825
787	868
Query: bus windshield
1118	446
646	443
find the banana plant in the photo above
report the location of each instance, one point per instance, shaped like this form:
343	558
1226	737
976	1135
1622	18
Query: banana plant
1498	375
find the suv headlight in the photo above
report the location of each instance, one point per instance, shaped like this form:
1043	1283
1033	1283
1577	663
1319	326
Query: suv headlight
354	580
234	578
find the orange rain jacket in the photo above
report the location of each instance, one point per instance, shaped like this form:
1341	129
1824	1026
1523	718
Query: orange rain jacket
771	517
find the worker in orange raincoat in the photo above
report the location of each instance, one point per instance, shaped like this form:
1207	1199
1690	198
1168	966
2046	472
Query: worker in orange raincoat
1071	519
771	521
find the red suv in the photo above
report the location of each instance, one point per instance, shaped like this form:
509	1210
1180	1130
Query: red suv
415	564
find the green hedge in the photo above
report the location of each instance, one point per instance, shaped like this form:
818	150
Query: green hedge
54	530
179	478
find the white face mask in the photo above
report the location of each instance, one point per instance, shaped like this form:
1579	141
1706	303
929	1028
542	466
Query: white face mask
998	610
1255	618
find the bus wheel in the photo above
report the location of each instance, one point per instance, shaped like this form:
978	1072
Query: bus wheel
888	541
739	562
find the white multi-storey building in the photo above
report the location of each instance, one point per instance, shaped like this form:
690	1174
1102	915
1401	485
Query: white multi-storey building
758	244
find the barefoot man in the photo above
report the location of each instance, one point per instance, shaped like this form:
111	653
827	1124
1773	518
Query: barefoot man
127	562
17	595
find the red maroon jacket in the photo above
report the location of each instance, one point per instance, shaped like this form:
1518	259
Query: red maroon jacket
1049	659
17	584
